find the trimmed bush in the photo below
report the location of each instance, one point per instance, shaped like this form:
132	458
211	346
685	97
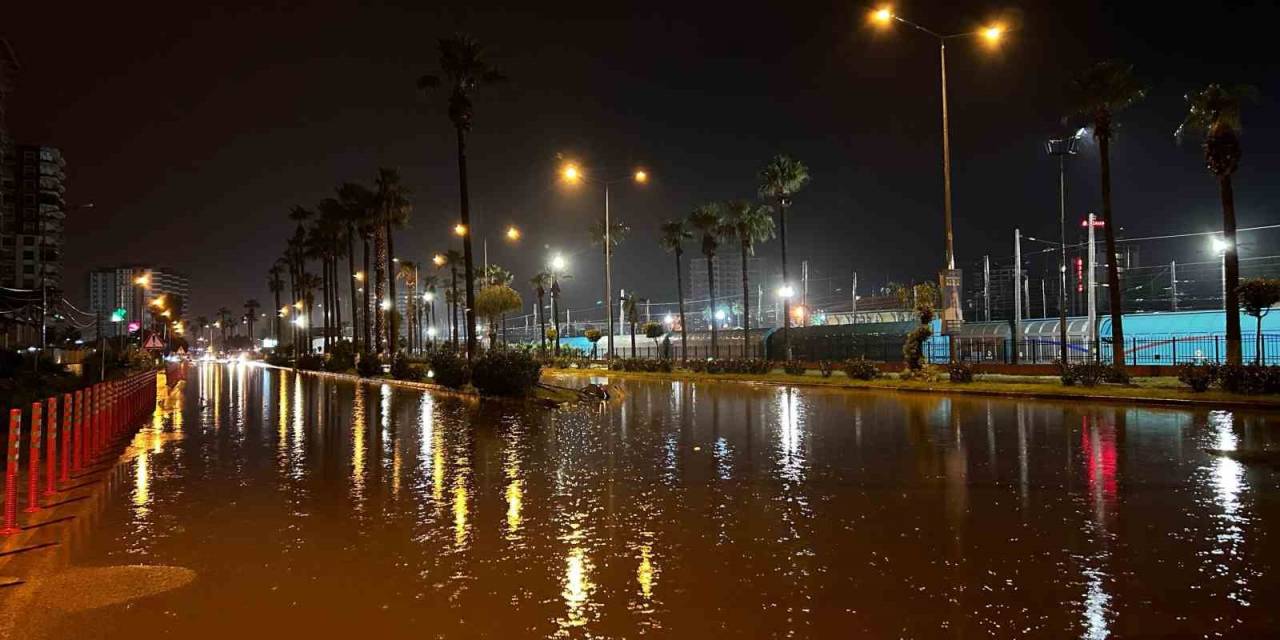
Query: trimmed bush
1248	379
861	369
793	367
369	365
310	362
403	368
448	368
505	372
641	364
961	372
826	368
1198	376
342	357
753	366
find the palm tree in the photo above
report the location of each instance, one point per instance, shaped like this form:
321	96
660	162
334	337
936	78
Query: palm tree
276	287
307	284
631	311
356	201
556	277
202	322
496	276
251	307
409	273
750	224
224	322
1097	94
541	282
463	70
780	180
674	234
618	232
1214	114
708	220
452	258
393	209
429	285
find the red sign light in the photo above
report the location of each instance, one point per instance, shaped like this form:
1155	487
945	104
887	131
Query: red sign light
1097	222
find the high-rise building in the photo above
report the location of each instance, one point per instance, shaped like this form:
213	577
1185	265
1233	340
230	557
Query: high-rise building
32	228
133	288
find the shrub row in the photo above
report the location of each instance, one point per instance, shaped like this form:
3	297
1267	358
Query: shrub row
1089	374
861	369
731	365
1248	379
641	364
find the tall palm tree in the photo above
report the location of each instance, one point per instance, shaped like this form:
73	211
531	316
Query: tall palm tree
224	323
618	232
452	258
1213	113
430	283
393	209
750	224
464	69
780	180
1096	95
202	322
408	272
541	282
674	233
496	276
357	201
307	285
708	220
276	286
631	311
251	307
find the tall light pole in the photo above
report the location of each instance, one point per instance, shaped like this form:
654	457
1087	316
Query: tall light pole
992	34
572	173
1061	148
557	268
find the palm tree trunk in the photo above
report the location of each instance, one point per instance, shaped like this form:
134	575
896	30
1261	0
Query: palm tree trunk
1257	348
1231	272
276	321
366	326
379	294
351	282
542	324
1113	268
555	320
684	329
393	334
453	315
324	303
469	310
336	296
786	300
633	339
746	304
711	289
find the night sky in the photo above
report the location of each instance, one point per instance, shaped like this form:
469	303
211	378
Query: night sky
195	129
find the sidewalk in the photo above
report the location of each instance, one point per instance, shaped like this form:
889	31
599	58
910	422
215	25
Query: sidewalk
1160	391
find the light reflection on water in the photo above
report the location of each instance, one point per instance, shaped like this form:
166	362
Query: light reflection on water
690	510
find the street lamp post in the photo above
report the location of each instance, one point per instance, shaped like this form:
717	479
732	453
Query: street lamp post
1061	148
992	33
573	173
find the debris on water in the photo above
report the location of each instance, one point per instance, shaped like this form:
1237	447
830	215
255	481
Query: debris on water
595	391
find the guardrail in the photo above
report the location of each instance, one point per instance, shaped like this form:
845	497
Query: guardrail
91	424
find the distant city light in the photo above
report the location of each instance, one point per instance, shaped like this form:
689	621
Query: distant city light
459	229
668	319
1219	244
386	304
571	172
431	332
641	176
513	233
785	291
720	314
558	262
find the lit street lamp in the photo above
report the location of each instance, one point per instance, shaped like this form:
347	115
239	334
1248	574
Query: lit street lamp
558	265
573	174
992	34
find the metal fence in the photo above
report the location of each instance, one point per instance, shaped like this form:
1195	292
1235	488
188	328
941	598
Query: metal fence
1145	350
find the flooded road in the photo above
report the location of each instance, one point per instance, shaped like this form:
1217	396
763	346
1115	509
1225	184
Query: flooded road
308	507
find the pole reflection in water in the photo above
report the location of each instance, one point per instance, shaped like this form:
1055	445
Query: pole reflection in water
685	510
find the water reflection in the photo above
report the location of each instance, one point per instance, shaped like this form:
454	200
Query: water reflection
690	510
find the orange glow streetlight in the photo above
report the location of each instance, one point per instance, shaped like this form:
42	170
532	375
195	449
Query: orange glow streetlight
460	230
513	233
438	260
883	18
573	173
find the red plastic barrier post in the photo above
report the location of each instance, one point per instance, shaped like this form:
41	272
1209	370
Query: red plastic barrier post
33	467
11	474
77	443
51	447
91	430
68	412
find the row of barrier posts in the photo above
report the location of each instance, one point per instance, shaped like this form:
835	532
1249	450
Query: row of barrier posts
94	421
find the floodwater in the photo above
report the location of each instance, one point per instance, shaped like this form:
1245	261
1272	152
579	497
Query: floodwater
308	507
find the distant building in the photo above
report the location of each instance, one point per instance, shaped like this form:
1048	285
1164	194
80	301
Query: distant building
728	277
118	288
32	227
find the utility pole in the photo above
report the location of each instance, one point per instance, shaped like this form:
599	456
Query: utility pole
853	295
1091	294
1173	284
1044	301
1017	292
804	275
986	288
1026	296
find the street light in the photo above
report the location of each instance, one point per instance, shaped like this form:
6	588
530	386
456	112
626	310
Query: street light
993	33
460	230
513	233
1061	148
572	173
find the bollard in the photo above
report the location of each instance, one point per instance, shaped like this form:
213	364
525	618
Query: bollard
11	474
77	443
51	447
68	410
33	467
